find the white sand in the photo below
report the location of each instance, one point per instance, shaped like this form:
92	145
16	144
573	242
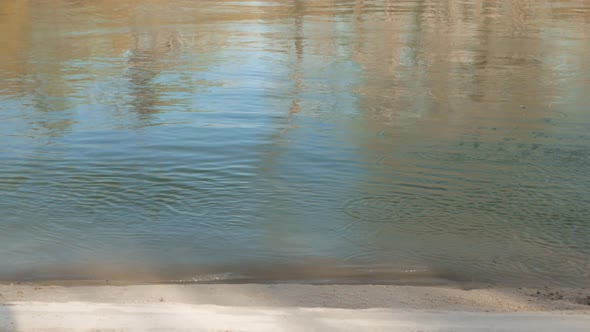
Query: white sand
84	316
290	308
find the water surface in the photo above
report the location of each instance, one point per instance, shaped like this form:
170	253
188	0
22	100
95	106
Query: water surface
315	141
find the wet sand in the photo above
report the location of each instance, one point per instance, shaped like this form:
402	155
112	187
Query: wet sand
290	307
299	295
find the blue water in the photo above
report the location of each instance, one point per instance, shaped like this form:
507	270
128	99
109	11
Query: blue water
308	141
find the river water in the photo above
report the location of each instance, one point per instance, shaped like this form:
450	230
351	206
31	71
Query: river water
308	141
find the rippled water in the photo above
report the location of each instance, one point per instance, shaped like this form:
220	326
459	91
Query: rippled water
316	141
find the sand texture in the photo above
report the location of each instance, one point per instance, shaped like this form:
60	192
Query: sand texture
290	308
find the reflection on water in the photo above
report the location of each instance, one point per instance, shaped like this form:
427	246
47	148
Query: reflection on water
347	141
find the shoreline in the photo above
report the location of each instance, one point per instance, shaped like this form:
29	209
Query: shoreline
449	298
290	307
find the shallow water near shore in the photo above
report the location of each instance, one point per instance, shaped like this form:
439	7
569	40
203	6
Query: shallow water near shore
308	141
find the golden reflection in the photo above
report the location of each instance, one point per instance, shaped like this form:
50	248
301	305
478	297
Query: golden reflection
427	63
374	103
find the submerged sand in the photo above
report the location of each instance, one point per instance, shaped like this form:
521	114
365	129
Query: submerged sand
290	307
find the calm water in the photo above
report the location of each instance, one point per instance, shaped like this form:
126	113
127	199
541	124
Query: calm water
319	141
